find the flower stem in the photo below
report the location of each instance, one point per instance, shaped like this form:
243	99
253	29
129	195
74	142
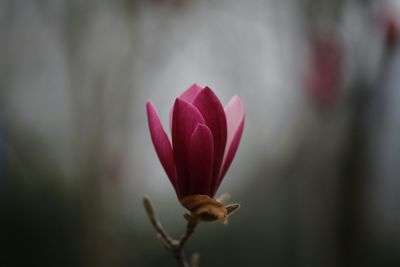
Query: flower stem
175	247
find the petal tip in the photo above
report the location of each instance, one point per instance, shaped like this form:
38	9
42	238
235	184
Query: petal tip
195	85
236	99
190	93
149	104
202	127
178	101
235	105
207	89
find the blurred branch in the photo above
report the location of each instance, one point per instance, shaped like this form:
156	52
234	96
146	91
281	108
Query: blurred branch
165	238
174	246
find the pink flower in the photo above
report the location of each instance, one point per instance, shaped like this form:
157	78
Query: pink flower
205	138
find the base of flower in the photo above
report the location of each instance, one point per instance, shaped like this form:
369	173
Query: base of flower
207	209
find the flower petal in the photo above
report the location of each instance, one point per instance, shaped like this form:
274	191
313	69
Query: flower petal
186	118
188	95
161	143
234	112
201	160
213	113
235	117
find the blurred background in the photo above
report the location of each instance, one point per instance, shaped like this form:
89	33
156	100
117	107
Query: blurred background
318	169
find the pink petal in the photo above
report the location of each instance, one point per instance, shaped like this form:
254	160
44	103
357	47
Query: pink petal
188	95
234	112
213	113
186	118
235	115
161	143
201	159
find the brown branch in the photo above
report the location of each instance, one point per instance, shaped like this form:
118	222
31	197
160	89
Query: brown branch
175	247
191	226
164	237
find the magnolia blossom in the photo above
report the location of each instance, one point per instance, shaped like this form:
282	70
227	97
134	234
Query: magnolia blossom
205	138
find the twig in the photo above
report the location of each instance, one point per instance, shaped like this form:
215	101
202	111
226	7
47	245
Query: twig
175	247
189	231
164	237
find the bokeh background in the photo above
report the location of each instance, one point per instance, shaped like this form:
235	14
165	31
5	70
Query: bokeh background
318	169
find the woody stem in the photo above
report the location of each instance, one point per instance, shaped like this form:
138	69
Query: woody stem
175	247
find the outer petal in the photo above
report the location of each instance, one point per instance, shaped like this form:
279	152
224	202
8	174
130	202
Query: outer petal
186	118
188	95
235	116
201	160
213	112
161	143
